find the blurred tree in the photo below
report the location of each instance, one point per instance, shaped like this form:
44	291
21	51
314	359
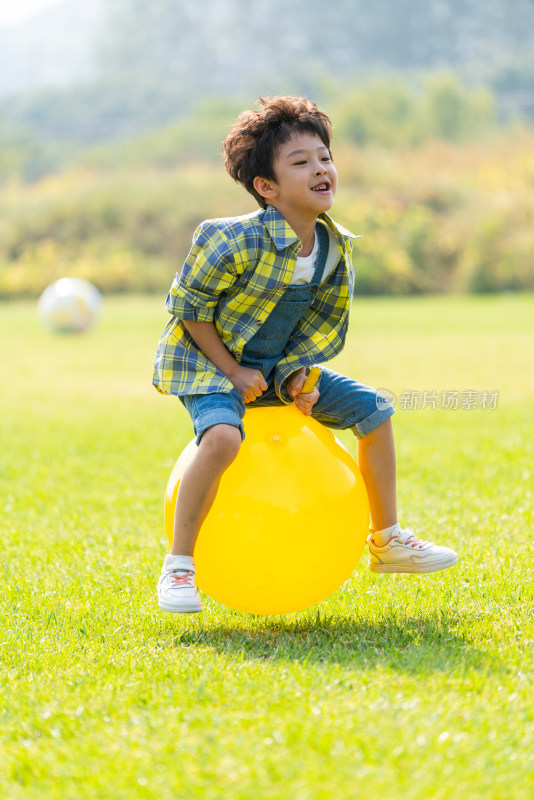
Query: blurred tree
453	112
384	112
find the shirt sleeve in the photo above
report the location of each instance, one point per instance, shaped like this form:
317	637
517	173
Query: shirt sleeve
208	271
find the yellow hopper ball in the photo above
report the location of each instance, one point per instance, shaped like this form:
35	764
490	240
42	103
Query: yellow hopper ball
290	519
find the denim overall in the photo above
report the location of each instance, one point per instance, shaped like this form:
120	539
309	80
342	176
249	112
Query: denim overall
266	348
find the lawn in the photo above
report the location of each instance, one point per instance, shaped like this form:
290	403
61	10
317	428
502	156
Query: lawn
395	686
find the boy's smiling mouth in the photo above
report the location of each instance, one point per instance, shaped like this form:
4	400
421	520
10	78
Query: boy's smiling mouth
324	186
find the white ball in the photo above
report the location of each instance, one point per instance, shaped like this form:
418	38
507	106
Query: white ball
70	305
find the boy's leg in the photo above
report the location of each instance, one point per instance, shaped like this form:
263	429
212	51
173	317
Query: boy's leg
377	463
344	403
198	487
217	422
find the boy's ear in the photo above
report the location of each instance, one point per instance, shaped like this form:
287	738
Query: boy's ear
264	187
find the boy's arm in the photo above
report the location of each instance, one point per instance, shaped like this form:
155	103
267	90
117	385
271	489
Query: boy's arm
250	383
209	270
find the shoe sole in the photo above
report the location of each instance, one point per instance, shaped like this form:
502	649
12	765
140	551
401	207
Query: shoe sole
413	568
181	610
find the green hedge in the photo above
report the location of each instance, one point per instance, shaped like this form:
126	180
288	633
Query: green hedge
443	217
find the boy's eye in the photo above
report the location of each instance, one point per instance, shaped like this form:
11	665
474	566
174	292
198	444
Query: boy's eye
299	163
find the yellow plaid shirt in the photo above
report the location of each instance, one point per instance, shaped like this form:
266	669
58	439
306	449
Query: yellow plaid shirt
235	273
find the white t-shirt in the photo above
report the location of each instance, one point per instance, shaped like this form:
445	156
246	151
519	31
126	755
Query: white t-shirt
305	266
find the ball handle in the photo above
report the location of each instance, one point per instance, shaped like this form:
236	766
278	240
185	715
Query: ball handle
311	380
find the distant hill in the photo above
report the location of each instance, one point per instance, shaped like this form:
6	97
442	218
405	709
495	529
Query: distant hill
127	66
54	48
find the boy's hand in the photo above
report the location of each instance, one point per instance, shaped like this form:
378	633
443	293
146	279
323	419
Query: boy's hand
250	383
304	402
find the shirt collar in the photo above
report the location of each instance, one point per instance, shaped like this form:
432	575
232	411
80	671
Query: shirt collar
341	232
283	234
280	230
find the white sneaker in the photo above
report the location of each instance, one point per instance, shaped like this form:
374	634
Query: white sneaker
406	553
177	591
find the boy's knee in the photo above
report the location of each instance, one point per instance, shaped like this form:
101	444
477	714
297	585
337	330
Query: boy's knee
222	441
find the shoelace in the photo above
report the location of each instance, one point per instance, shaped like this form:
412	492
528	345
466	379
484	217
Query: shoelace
182	579
409	538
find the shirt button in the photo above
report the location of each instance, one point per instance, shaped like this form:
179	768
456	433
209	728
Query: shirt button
258	322
285	286
314	289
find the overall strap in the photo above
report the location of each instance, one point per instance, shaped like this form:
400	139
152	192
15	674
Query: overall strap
322	255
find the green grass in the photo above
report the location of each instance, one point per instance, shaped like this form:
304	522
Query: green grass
396	686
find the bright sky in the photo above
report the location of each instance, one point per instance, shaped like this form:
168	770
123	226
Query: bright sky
13	11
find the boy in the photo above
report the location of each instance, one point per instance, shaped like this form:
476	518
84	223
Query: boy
261	299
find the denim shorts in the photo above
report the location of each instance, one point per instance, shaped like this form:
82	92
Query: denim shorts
343	403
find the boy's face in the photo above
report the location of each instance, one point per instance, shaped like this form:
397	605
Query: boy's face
306	179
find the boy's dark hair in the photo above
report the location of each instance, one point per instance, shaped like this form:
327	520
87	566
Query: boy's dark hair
250	147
